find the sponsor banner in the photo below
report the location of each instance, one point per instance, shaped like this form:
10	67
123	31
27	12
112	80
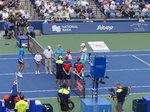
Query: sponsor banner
108	27
79	86
99	46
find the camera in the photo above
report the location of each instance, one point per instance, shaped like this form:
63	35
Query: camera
112	92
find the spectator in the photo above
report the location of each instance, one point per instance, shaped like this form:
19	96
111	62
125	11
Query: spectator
42	11
84	2
47	5
18	4
125	6
71	10
59	6
53	20
78	2
118	7
113	7
100	2
89	10
52	2
141	19
21	106
59	51
92	16
30	31
105	20
136	7
6	27
1	11
22	10
81	15
145	10
48	53
118	1
76	10
147	4
64	20
12	4
148	13
131	13
23	25
50	10
67	14
131	5
123	12
46	15
18	23
54	7
142	5
5	14
60	14
83	9
71	2
127	2
106	8
38	3
26	15
1	2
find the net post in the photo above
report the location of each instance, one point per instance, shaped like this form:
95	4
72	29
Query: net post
84	89
28	42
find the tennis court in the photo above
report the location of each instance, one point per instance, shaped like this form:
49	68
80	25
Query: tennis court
130	68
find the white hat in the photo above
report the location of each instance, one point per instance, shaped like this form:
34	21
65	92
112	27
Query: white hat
24	45
83	44
87	18
49	47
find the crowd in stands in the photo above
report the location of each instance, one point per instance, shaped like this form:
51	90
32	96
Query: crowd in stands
68	9
124	8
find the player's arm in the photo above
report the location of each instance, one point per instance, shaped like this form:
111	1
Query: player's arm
81	49
64	70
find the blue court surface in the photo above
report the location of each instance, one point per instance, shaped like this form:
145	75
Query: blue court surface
130	68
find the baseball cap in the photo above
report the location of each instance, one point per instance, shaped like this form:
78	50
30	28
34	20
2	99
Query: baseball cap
24	45
22	96
68	51
78	58
49	47
87	18
60	57
83	44
38	51
67	57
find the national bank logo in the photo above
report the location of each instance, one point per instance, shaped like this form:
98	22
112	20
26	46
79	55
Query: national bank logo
139	26
56	28
102	27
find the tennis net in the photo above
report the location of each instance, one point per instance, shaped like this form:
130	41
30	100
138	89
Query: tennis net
33	45
78	85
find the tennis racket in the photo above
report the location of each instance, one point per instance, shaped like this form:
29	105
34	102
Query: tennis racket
27	65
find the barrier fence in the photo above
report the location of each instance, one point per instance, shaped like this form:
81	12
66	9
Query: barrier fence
84	28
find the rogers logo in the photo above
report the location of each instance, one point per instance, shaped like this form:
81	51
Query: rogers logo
98	45
30	44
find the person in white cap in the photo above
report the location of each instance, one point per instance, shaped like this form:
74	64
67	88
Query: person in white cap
48	53
83	50
20	60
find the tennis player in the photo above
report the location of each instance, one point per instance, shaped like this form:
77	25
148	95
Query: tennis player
69	55
38	59
20	60
83	50
67	71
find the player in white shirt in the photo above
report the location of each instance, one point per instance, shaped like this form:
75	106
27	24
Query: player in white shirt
38	59
83	50
69	55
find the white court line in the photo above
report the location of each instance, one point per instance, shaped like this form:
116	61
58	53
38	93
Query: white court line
38	91
76	56
116	70
141	60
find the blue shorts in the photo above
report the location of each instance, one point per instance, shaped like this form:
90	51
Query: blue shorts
20	62
64	76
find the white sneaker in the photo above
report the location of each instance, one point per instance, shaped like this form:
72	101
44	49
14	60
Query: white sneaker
36	72
69	88
20	75
46	72
50	72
